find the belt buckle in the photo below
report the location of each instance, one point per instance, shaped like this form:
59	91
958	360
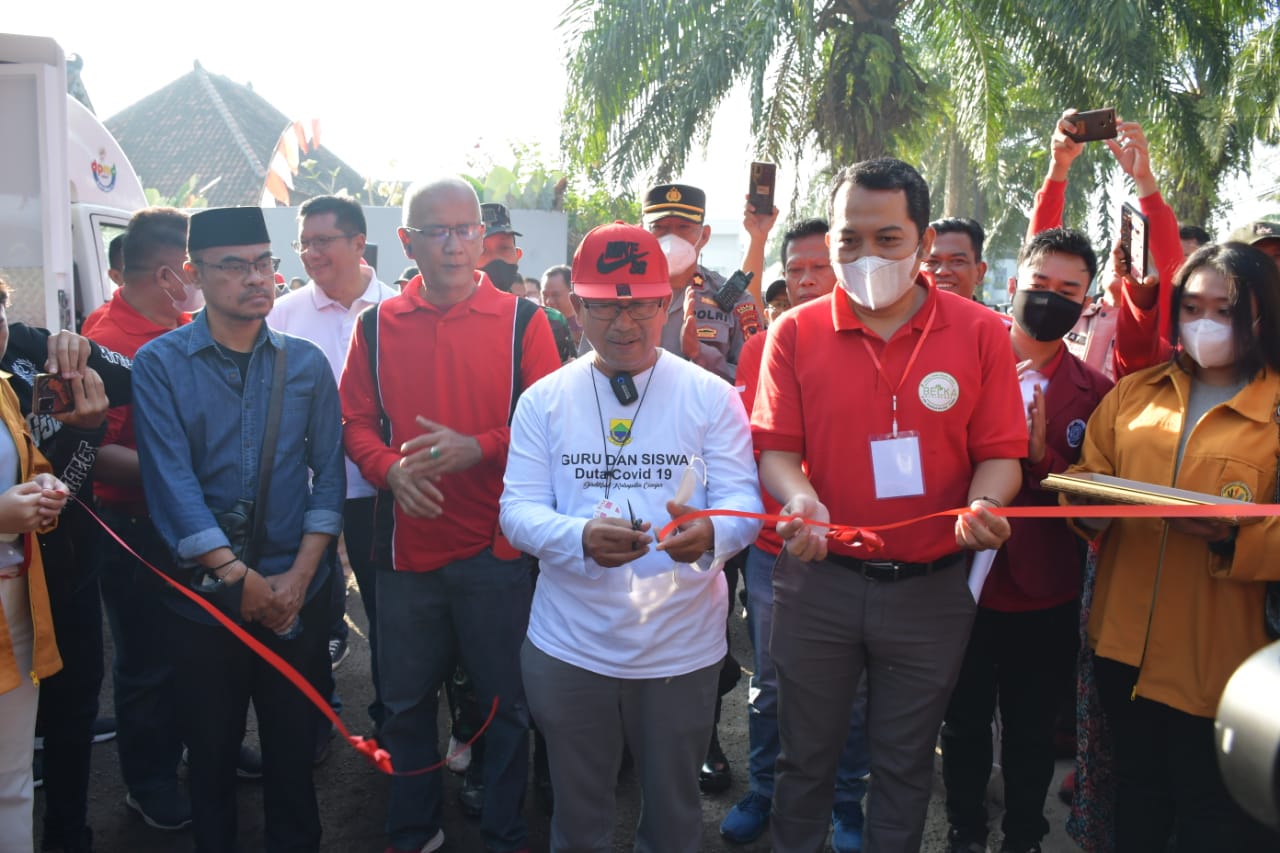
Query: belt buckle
882	569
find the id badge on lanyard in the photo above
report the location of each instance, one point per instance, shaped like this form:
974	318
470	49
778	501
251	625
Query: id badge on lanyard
896	463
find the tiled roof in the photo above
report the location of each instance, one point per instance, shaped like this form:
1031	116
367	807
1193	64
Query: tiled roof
204	124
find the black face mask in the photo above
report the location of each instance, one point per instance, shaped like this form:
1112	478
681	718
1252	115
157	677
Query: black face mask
502	274
1045	315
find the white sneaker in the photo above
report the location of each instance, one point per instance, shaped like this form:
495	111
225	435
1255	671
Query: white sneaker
458	758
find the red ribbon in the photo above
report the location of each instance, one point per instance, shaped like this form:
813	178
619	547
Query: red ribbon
368	747
868	536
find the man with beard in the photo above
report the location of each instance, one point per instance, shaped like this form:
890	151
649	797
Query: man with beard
204	414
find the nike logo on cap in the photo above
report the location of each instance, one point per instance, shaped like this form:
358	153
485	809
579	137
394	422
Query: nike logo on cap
619	254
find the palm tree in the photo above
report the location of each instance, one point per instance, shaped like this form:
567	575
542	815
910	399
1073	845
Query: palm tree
968	88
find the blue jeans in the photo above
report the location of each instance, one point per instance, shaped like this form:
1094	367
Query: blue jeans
762	702
142	671
478	609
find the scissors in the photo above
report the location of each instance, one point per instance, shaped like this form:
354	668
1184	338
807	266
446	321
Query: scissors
636	523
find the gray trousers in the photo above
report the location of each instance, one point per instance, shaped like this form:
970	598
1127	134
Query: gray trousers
586	717
830	625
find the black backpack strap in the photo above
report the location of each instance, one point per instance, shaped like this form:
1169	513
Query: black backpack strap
525	311
369	325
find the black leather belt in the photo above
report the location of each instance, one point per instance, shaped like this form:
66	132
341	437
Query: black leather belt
894	570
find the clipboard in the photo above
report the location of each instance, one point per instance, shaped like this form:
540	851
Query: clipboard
1107	489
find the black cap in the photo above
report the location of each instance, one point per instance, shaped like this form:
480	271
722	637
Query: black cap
1256	232
227	226
497	219
778	288
674	200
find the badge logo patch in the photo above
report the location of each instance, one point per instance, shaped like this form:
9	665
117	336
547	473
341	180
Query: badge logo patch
1075	433
706	333
620	431
1237	491
939	391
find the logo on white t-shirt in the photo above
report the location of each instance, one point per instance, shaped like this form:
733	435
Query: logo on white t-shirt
620	431
939	391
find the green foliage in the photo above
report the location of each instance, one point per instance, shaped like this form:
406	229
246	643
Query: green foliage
187	196
528	183
589	205
969	90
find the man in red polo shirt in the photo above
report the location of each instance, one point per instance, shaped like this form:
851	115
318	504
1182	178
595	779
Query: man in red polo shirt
806	263
153	299
885	401
447	379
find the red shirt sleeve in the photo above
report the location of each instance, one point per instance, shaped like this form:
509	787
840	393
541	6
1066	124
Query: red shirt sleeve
777	415
1051	200
361	430
748	375
998	429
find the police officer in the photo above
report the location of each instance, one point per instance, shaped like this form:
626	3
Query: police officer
697	327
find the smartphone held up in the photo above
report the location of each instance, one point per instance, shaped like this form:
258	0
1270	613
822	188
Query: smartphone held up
760	191
1133	242
51	395
1093	125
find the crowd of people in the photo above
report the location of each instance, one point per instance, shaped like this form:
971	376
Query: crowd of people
514	470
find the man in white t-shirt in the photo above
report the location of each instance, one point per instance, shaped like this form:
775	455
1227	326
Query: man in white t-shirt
626	635
331	242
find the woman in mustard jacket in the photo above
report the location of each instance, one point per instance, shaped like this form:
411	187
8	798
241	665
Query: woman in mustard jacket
30	500
1178	604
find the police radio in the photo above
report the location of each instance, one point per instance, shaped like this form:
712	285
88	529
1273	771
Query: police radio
731	291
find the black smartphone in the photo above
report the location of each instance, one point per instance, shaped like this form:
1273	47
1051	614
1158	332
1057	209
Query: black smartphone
1133	241
51	395
1093	125
760	193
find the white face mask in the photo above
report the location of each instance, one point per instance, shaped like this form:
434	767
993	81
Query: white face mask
193	298
1208	342
874	282
681	254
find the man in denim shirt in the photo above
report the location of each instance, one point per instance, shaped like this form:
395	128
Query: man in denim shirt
201	397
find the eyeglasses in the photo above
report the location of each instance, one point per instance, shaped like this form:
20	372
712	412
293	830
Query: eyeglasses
264	267
610	311
439	233
319	244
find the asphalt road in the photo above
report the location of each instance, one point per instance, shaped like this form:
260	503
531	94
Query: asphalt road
353	795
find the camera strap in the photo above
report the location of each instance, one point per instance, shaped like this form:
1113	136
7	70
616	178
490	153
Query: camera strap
266	461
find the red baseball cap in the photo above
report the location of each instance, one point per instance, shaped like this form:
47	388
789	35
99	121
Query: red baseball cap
620	261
